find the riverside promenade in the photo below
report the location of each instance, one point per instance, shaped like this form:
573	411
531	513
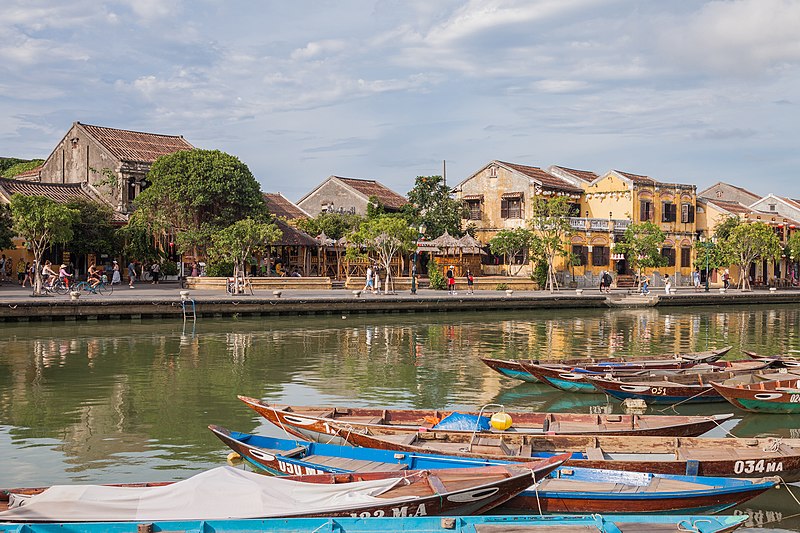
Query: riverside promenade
164	301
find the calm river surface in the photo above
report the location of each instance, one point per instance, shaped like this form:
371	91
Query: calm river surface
130	401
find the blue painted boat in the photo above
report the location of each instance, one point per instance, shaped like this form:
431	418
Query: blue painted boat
567	490
468	524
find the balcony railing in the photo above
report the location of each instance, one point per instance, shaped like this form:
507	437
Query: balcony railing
598	224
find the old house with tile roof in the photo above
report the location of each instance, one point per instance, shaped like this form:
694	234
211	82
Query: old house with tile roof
729	193
280	206
111	161
349	195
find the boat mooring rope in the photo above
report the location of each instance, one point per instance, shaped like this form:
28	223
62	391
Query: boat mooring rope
674	405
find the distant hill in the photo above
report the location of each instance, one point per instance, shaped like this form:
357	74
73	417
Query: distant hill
11	166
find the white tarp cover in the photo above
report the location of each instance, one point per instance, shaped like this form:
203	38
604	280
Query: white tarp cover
220	493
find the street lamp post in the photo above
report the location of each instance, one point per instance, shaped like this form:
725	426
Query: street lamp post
707	246
420	235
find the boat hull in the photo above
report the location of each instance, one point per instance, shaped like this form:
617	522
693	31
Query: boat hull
775	397
568	490
470	524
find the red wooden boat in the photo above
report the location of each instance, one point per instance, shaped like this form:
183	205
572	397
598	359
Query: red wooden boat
576	380
658	455
777	361
566	490
515	369
777	397
462	491
683	388
311	422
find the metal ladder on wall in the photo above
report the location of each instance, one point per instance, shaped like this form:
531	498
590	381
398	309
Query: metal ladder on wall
188	307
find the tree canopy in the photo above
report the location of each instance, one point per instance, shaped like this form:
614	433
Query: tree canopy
509	243
432	205
238	242
383	237
195	192
550	225
41	222
334	225
746	242
641	245
6	227
92	230
11	167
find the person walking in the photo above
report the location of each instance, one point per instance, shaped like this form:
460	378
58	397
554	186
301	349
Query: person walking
28	275
667	284
607	281
368	284
470	283
2	267
696	279
645	287
131	273
21	269
451	281
116	277
603	281
726	278
155	271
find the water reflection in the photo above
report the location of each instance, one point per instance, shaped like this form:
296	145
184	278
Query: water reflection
116	401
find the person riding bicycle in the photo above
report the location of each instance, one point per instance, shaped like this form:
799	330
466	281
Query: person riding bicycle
63	275
94	277
48	275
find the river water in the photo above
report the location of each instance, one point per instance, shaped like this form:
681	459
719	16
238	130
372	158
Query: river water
125	401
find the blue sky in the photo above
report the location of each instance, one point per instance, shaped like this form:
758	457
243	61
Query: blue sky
683	91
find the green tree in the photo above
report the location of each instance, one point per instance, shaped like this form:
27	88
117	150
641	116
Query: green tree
194	193
793	247
92	229
138	238
20	167
432	205
746	242
334	225
41	222
238	242
640	244
510	243
6	227
384	237
550	225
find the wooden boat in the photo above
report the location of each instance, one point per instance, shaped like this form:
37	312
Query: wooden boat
565	490
310	422
228	492
514	368
780	396
682	388
576	380
778	361
659	455
419	524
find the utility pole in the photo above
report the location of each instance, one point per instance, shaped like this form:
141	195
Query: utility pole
444	172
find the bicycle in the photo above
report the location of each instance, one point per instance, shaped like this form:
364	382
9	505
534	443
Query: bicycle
58	287
103	288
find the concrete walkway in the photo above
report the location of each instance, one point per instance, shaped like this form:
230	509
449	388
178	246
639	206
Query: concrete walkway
148	300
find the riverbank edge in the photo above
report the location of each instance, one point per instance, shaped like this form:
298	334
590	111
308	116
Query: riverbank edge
345	302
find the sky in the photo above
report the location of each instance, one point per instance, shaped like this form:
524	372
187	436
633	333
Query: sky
683	91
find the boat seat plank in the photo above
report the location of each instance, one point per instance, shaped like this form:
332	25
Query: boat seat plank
293	452
521	528
357	465
571	485
594	454
360	419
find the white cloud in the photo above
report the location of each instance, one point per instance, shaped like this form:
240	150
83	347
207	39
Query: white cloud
316	49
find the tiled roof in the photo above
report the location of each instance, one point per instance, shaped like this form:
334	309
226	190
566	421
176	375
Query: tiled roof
293	236
29	174
58	192
638	179
547	180
280	206
794	203
136	146
731	207
385	195
586	175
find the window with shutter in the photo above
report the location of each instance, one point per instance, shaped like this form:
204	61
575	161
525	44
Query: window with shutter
686	257
583	254
668	212
669	253
645	210
600	255
687	213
